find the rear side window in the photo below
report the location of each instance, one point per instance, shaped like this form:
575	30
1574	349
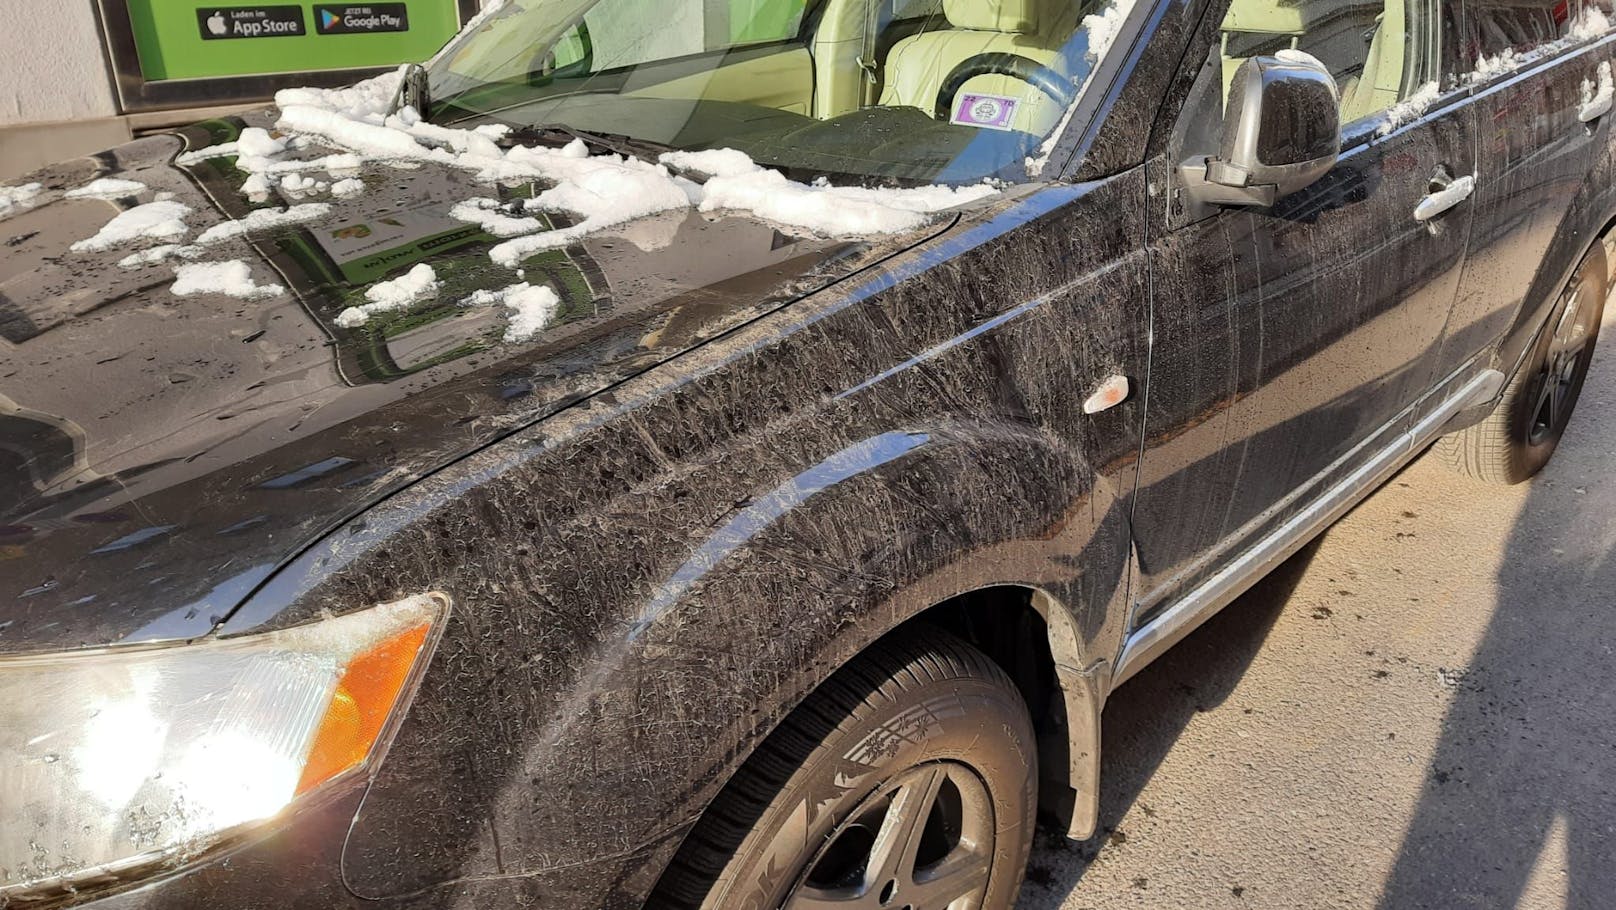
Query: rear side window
1494	28
1497	29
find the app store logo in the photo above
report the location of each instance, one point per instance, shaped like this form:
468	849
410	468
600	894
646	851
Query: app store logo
250	22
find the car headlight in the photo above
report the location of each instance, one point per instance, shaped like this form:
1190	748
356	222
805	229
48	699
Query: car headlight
123	758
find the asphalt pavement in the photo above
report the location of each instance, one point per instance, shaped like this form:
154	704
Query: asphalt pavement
1414	712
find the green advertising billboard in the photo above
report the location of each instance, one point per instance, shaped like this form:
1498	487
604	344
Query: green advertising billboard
186	39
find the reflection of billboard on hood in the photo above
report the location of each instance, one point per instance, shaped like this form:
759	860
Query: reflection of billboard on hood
346	255
400	221
168	451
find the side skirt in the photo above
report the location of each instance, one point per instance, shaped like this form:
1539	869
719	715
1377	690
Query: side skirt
1167	629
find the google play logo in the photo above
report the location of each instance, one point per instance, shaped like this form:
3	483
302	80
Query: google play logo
355	18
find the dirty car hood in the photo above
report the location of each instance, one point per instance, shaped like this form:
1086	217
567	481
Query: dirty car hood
161	455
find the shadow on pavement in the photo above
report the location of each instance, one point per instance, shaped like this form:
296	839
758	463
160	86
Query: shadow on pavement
1525	771
1144	718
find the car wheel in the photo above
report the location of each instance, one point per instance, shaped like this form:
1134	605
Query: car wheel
1517	439
908	780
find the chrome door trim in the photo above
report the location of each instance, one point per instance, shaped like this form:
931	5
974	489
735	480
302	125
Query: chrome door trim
1151	640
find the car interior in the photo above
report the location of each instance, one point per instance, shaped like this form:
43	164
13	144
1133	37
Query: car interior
1364	45
840	84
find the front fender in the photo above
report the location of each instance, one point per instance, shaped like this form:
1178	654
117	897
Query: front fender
646	583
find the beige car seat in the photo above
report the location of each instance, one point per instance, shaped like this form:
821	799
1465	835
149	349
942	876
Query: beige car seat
917	67
1381	81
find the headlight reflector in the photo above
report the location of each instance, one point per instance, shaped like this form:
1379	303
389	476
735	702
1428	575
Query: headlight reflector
117	759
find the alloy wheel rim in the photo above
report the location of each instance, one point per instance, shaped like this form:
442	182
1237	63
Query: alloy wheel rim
921	841
1556	382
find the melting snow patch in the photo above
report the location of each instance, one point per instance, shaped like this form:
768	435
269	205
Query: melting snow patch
1496	65
352	186
605	191
152	221
401	293
1591	24
491	216
261	220
1293	55
297	184
158	254
232	279
713	163
365	100
370	139
1601	95
532	308
256	185
1409	109
461	142
269	167
106	188
17	197
827	209
255	142
222	150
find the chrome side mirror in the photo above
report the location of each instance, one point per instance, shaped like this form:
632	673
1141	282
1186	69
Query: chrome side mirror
1281	132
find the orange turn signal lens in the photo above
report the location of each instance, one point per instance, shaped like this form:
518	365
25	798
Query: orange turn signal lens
365	697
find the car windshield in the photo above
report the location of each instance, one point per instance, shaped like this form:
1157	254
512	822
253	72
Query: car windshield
947	91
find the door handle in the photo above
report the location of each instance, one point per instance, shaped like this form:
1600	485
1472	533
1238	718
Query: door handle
1445	193
1596	101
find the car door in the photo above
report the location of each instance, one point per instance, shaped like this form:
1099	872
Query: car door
1535	70
1290	342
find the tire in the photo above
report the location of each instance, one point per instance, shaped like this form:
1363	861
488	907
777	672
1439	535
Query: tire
922	729
1519	437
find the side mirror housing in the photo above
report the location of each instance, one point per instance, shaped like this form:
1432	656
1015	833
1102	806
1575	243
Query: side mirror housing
1281	133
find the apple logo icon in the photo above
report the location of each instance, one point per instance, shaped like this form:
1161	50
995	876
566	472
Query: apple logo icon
216	24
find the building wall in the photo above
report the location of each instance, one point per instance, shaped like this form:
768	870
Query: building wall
52	66
56	93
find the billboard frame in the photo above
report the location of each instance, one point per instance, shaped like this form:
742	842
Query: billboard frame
138	95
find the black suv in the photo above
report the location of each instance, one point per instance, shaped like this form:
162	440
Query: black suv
722	454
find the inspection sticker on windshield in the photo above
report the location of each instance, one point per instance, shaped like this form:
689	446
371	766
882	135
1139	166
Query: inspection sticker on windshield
993	112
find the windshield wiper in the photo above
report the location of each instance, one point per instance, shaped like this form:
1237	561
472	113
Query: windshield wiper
628	146
414	91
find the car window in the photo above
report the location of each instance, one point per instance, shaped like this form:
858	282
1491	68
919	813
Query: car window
1379	51
935	91
624	36
1497	34
1492	28
758	21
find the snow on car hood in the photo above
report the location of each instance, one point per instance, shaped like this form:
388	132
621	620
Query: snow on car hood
211	360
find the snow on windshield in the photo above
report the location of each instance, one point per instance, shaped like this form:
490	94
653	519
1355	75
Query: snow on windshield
602	191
